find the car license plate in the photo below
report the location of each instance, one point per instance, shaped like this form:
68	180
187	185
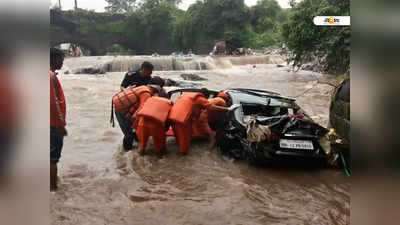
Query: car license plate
296	144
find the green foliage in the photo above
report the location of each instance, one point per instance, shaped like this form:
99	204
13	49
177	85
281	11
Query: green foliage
305	39
264	15
120	6
148	22
149	4
117	49
225	17
266	19
145	22
189	27
92	22
141	25
265	39
213	20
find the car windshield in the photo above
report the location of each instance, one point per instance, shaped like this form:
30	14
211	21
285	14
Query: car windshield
174	95
259	105
262	110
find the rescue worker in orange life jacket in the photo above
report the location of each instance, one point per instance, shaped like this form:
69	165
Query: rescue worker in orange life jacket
153	121
128	102
216	118
138	78
154	87
185	111
212	115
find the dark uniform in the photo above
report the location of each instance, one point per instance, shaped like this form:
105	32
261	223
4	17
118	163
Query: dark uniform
134	78
130	79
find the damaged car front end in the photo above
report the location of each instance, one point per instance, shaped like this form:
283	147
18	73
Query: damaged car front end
270	129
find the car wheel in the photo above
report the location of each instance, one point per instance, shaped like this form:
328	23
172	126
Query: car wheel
229	147
250	154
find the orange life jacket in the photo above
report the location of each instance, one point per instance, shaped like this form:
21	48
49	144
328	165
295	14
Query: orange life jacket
215	114
217	101
183	107
156	108
128	101
57	102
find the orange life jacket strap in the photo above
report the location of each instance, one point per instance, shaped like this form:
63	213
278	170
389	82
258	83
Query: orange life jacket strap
123	105
57	101
112	114
126	96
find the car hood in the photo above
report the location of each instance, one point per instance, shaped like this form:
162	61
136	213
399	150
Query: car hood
283	125
251	96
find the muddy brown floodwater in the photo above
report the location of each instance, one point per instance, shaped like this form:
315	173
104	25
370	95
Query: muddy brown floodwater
99	184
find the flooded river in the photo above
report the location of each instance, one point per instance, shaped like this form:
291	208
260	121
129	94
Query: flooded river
100	184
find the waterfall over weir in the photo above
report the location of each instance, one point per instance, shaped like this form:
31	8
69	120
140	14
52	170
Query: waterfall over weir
173	63
163	63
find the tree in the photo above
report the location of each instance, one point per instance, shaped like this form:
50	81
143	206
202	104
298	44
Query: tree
264	15
213	20
152	24
120	6
147	4
189	27
304	38
292	3
226	19
266	18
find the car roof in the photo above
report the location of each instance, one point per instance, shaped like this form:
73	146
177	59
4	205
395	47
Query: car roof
248	96
252	96
212	92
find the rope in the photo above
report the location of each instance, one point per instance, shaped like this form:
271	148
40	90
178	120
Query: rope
112	114
57	101
318	82
344	164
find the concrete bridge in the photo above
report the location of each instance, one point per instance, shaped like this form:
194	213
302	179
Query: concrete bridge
65	28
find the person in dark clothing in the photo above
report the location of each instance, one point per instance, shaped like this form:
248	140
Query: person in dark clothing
132	79
138	78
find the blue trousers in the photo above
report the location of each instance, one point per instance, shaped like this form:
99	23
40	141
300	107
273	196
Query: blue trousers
56	145
126	127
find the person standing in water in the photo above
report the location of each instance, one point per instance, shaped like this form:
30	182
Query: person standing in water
57	115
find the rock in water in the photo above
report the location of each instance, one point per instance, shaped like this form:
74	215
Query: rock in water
193	77
136	196
170	82
89	70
